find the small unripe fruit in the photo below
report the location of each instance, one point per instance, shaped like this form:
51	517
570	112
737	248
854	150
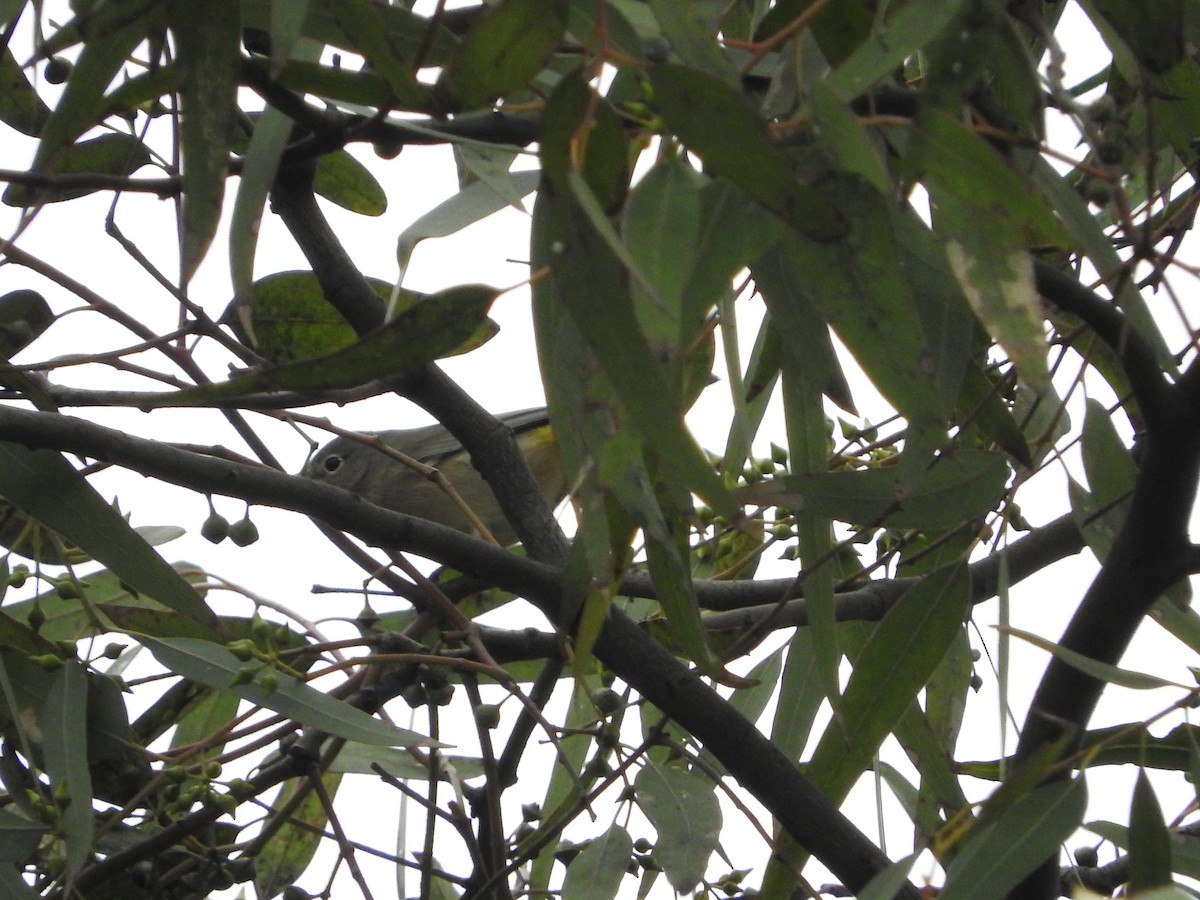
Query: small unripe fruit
58	70
487	715
243	532
608	701
67	589
243	649
215	528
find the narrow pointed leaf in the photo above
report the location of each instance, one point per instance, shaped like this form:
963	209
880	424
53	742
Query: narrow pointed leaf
116	155
365	25
741	149
957	488
81	104
208	44
899	657
682	806
45	486
430	330
216	667
1149	840
1008	848
503	51
20	106
66	749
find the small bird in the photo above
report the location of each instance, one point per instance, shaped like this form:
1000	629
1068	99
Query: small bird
385	481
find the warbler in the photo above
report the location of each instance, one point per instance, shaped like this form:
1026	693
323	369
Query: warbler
387	482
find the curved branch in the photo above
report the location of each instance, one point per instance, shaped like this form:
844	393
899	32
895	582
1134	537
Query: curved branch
872	601
1150	552
1140	362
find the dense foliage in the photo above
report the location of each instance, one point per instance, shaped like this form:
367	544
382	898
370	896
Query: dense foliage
875	177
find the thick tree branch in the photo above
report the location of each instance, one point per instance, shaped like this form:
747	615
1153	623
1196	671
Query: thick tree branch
1151	550
871	601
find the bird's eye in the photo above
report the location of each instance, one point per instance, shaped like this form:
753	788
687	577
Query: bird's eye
331	464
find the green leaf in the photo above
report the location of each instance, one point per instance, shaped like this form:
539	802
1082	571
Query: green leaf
573	749
290	850
863	288
980	404
1126	678
406	32
503	52
624	477
272	131
82	102
66	750
72	620
20	106
468	206
24	315
290	319
342	179
214	666
997	277
987	218
1088	234
801	693
958	487
364	24
208	47
752	698
1107	462
808	453
660	229
429	330
717	124
19	837
888	45
117	155
359	759
14	887
940	788
590	283
582	134
596	873
338	85
1154	35
958	164
1008	848
1149	840
682	806
797	327
731	233
890	881
46	487
1127	744
696	47
287	30
505	49
899	657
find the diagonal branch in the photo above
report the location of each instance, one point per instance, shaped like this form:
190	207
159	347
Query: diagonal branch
629	651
